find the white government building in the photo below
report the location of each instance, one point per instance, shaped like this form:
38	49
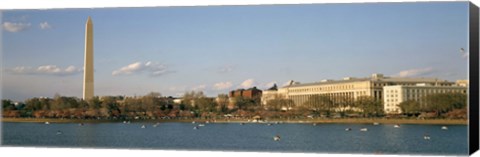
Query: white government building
374	86
394	95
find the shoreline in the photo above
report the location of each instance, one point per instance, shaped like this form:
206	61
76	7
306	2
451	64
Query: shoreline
319	121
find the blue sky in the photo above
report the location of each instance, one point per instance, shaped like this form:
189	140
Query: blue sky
220	48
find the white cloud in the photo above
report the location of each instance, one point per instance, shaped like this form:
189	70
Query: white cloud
15	27
45	25
414	72
156	69
49	69
129	69
153	69
72	69
44	70
222	85
247	83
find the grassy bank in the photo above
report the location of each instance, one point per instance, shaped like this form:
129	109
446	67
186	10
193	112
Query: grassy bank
345	121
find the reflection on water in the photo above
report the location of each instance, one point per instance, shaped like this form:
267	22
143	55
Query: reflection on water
385	139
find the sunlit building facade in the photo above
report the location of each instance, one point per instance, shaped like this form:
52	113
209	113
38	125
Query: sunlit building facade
348	88
394	95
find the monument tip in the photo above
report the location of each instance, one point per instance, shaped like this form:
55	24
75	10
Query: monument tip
89	19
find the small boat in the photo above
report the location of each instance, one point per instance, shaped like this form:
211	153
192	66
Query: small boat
242	123
59	132
269	124
47	122
276	138
195	128
124	122
207	122
201	124
314	124
348	129
426	137
363	129
81	124
396	126
154	125
193	122
376	123
143	126
444	128
128	122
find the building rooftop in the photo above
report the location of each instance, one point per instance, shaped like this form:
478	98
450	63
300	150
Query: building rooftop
375	77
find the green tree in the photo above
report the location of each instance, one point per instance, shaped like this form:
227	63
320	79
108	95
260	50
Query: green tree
35	104
94	103
7	105
344	103
369	106
152	101
444	102
189	97
222	103
278	102
110	107
61	102
410	107
241	103
205	104
320	104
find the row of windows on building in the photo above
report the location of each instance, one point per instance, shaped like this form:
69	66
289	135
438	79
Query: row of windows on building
409	84
380	84
347	87
300	99
425	91
416	93
391	100
392	110
337	87
401	84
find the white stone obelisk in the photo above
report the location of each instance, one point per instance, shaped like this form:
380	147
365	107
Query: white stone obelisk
88	66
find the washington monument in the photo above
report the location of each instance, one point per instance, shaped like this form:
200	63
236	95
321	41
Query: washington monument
88	66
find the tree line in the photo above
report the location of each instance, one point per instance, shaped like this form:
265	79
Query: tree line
197	105
447	105
153	105
440	105
325	106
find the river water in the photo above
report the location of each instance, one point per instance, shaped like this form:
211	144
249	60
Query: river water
322	138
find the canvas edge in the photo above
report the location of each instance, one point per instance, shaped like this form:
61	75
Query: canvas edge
474	79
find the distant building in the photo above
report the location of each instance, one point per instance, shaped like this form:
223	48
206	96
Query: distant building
251	93
248	93
394	95
270	94
177	100
348	87
463	83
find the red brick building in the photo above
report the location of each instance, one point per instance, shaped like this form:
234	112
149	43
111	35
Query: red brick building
251	93
248	93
